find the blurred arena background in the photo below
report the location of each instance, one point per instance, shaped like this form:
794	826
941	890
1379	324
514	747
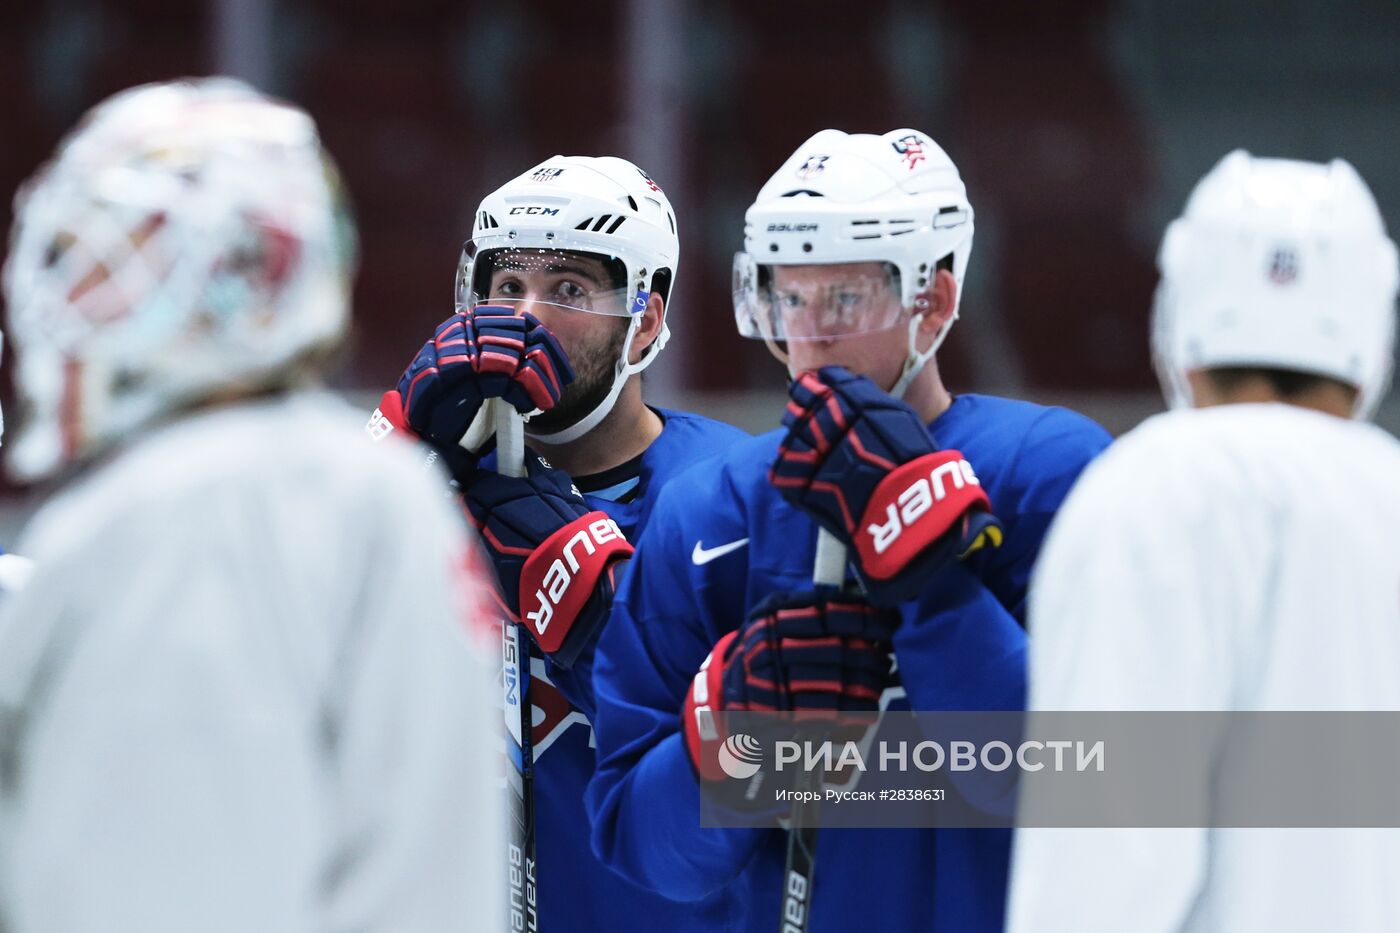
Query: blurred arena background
1079	126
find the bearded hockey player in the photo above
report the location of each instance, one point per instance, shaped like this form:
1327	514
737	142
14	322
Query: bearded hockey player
1241	552
855	252
238	691
562	297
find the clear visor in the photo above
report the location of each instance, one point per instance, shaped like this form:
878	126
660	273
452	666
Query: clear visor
526	277
814	302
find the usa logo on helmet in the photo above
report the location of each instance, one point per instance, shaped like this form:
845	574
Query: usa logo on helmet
1283	265
911	147
813	166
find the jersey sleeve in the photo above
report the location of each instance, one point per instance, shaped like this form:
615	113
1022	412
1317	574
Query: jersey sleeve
1132	608
962	644
958	648
686	441
644	799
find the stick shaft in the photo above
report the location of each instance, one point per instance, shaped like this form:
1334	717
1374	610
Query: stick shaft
521	864
828	571
510	439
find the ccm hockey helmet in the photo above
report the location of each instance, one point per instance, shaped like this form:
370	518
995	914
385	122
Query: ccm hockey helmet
604	210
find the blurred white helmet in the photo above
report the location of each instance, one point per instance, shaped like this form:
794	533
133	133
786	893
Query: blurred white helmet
604	208
2	413
185	239
1278	264
849	198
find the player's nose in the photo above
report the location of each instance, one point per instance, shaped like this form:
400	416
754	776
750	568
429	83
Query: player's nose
531	301
825	349
548	313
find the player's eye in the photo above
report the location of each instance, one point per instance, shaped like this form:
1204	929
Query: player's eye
507	288
570	292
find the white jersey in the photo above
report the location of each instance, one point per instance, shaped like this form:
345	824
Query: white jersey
1245	557
238	694
14	573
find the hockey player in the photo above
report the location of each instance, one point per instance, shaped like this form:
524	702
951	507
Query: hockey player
855	252
237	693
1241	552
562	296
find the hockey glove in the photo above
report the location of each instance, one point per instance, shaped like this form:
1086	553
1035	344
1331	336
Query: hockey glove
554	557
816	655
861	463
488	352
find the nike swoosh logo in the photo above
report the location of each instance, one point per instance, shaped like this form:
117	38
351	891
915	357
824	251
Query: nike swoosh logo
702	555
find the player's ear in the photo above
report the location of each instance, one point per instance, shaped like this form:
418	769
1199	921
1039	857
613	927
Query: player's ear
650	328
937	302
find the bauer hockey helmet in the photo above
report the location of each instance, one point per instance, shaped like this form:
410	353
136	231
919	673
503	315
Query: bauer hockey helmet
185	238
1281	264
848	198
602	208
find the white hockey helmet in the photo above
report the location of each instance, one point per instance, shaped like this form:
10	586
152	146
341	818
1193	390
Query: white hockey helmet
1278	264
601	207
186	238
848	198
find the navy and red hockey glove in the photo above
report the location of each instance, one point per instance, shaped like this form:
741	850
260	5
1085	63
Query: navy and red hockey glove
488	352
554	557
818	655
862	464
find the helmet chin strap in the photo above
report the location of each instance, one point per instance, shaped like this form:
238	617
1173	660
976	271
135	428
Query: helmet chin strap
622	371
914	361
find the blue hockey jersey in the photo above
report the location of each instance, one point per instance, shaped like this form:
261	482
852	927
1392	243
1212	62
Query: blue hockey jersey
577	892
961	646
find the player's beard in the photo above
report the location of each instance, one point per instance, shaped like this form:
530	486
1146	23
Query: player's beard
594	363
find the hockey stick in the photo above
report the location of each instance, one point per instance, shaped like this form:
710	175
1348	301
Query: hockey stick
515	656
828	572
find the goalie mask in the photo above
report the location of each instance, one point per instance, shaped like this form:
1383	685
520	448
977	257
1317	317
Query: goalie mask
1278	264
841	198
600	232
187	239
